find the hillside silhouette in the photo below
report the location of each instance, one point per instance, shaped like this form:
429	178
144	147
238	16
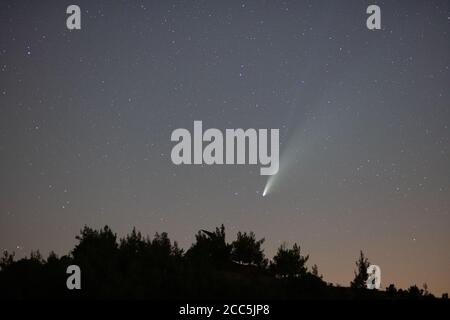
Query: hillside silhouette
141	267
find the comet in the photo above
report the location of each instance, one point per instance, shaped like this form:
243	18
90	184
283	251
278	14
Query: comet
267	187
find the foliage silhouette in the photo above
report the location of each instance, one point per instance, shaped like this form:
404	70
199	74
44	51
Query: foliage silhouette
289	262
359	282
210	249
246	250
156	268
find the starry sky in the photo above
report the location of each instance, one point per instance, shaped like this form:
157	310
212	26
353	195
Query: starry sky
364	118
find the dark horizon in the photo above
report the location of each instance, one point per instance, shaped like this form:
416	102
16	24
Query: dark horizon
145	267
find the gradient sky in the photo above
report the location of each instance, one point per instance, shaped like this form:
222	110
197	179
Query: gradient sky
364	119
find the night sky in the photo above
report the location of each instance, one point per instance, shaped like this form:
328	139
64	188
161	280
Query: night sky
364	118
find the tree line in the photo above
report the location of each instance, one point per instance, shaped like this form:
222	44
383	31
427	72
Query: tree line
138	266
